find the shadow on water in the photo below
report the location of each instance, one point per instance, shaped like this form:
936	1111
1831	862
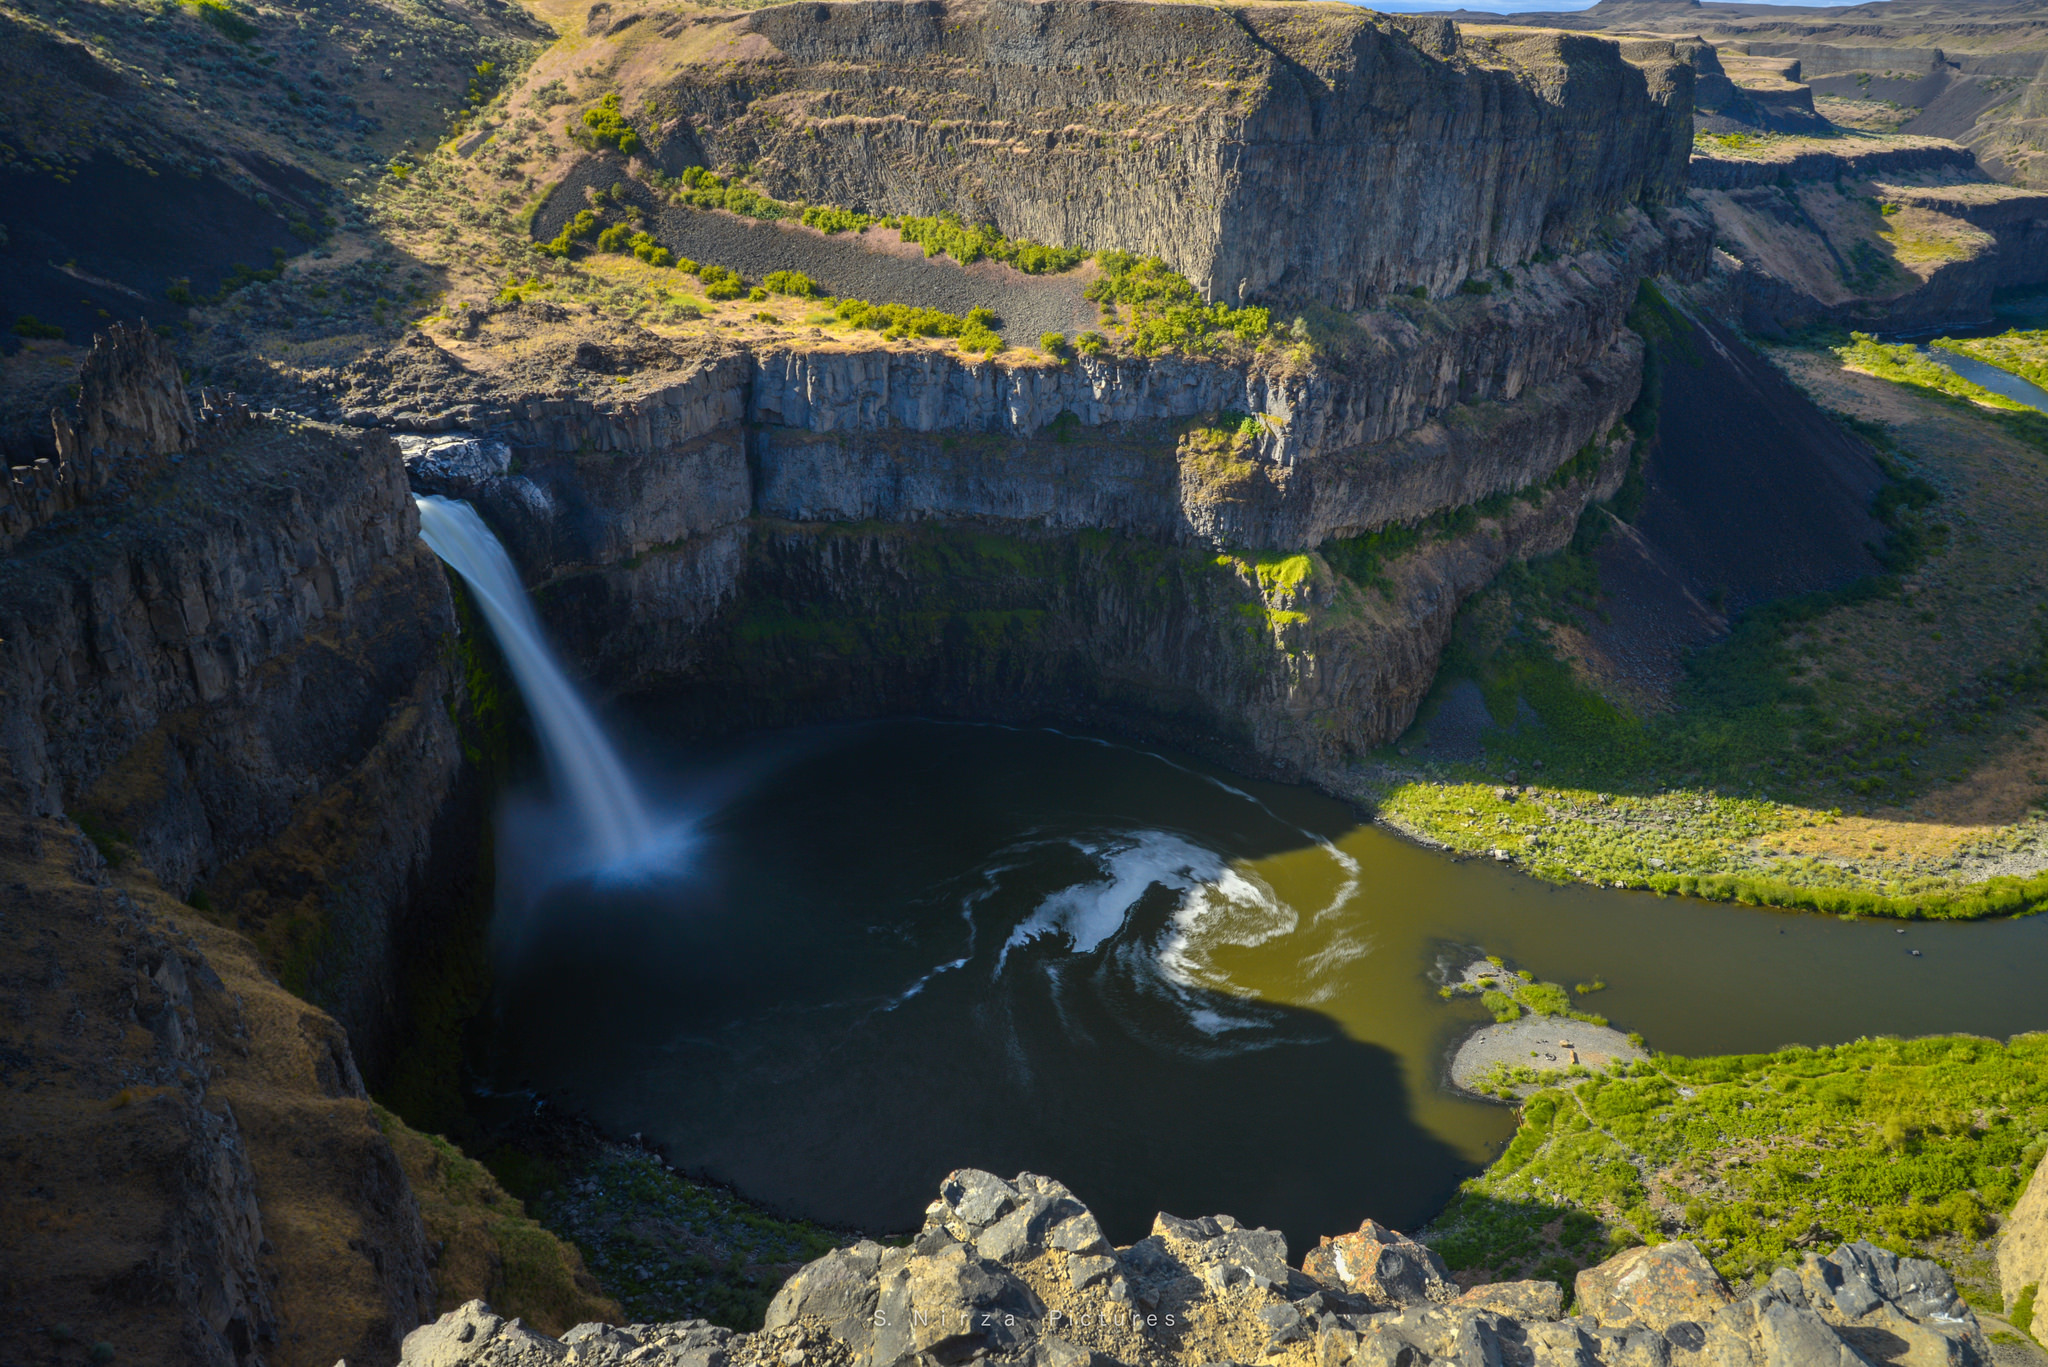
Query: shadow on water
893	949
900	949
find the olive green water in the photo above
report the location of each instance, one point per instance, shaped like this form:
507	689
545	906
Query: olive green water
876	953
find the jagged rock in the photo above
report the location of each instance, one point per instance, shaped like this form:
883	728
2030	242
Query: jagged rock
2023	1240
1529	1300
1652	1287
1223	1253
1386	1267
131	416
838	1291
476	1336
952	1307
1207	1291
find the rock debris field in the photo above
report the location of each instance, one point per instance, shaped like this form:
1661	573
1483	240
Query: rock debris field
875	265
1019	1274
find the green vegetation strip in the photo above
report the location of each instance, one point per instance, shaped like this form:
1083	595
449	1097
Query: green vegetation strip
1759	1157
2024	354
1904	364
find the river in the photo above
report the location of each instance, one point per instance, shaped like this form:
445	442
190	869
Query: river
887	950
1990	377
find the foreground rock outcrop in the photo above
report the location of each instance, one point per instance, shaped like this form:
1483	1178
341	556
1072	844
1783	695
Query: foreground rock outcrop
1019	1272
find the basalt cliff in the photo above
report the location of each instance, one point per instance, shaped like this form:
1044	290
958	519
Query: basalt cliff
247	730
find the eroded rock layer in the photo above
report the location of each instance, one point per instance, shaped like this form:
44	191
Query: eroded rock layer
1265	151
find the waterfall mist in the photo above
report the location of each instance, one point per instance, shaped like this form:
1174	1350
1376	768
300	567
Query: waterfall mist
584	769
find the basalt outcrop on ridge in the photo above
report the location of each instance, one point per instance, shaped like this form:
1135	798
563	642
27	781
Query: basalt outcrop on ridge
1019	1273
1265	151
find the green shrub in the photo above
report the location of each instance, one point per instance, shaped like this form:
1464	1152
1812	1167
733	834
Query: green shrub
615	238
793	283
757	294
224	20
1166	311
1906	1143
1475	287
1089	343
975	331
1053	343
829	220
724	289
1501	1005
1545	999
602	125
577	228
28	325
2022	1315
947	235
647	249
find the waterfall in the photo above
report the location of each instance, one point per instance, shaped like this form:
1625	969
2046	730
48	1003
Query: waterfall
580	760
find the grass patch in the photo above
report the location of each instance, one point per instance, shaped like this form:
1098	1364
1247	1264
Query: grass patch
1758	1157
489	1246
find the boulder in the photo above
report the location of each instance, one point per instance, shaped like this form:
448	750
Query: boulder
951	1307
1530	1300
476	1336
1652	1287
1223	1253
1386	1267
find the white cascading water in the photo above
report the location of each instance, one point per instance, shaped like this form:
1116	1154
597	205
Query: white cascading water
580	759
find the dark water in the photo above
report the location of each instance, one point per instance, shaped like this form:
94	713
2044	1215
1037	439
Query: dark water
882	952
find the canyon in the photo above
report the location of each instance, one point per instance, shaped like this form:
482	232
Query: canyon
253	731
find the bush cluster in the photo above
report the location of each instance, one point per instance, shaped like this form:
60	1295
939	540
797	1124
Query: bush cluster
794	283
575	230
720	283
30	326
224	20
830	220
1167	311
603	125
975	331
947	235
704	190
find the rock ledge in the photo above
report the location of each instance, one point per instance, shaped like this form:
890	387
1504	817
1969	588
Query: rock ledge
1019	1272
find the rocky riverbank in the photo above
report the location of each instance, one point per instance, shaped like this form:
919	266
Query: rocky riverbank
1019	1272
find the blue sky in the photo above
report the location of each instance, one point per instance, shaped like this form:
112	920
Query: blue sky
1543	6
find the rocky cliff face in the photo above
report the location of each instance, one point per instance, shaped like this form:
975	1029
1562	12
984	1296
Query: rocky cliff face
237	673
1265	151
1906	239
191	1169
733	513
2023	1241
1019	1273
